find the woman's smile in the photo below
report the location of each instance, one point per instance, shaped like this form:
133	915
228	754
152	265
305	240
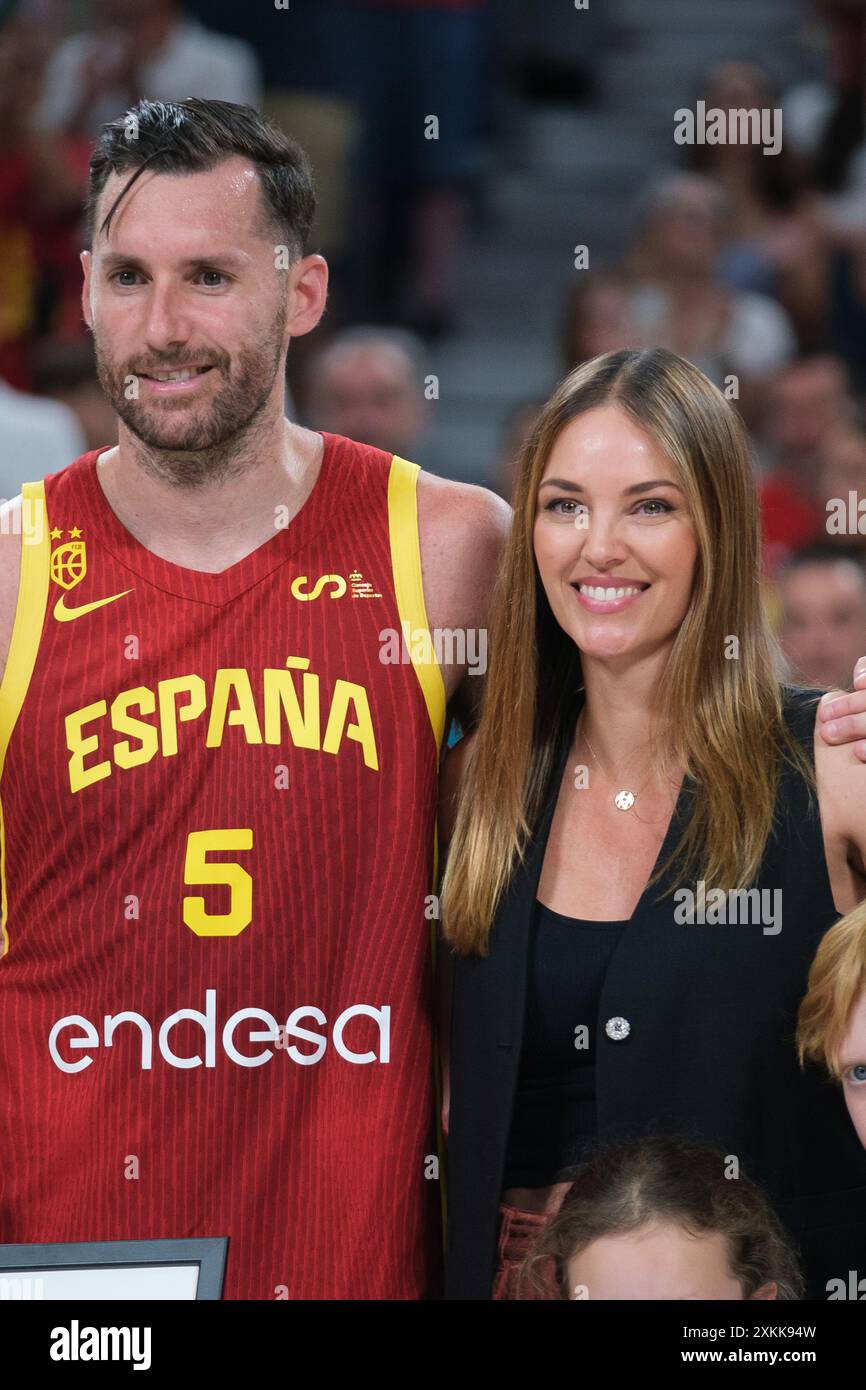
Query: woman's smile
608	595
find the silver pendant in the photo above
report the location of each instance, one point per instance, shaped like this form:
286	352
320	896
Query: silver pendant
624	800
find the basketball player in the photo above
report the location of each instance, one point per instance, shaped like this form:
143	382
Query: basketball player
221	749
217	784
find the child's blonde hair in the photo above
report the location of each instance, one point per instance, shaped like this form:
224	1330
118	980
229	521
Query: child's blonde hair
836	980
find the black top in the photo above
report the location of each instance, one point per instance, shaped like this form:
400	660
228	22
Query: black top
708	1052
554	1109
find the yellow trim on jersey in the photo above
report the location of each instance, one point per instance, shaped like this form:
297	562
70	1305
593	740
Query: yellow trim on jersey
412	610
409	585
24	643
437	1054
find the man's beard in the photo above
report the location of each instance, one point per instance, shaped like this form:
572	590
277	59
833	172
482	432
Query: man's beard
193	445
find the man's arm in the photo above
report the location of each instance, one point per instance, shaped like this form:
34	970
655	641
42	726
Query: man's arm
463	529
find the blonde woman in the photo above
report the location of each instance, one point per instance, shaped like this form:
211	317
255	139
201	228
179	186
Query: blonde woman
638	874
832	1021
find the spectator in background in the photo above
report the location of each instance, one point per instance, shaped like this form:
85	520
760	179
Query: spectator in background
840	149
66	372
43	181
839	173
843	479
598	317
517	427
680	302
809	104
37	437
822	597
368	384
775	243
135	50
418	75
805	401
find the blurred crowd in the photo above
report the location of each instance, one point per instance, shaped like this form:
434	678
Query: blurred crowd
751	265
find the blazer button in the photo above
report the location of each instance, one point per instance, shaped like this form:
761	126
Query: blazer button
617	1028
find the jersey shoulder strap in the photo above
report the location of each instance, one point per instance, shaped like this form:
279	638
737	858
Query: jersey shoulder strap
409	587
26	635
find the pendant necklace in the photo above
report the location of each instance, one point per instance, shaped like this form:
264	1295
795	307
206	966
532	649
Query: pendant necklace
625	798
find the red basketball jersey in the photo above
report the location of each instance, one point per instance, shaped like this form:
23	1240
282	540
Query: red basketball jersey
218	798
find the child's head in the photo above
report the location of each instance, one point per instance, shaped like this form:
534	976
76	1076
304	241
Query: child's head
660	1218
832	1021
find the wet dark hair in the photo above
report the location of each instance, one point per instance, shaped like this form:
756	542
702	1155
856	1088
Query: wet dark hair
625	1186
195	135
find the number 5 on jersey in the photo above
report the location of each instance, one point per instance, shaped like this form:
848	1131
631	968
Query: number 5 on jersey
197	869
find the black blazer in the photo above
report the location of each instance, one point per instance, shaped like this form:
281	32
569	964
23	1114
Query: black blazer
710	1053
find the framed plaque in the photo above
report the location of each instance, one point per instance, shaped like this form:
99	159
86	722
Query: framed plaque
140	1270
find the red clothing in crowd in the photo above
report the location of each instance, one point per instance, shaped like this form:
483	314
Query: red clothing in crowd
789	519
40	274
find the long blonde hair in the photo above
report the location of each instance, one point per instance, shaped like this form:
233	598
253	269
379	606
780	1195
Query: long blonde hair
722	717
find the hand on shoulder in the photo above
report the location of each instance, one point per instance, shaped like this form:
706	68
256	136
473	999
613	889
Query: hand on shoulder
842	715
841	779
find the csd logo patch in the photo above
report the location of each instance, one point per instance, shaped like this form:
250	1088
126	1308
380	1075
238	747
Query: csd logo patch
335	582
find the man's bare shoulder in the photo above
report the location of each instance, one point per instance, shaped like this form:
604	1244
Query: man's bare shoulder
10	567
462	529
459	513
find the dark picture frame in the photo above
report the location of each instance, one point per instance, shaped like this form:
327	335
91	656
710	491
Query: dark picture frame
208	1252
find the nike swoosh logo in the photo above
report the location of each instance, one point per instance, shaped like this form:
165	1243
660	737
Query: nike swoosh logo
65	615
